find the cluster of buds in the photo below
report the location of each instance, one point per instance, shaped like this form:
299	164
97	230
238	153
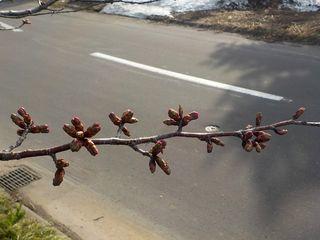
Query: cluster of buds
211	142
59	174
156	160
176	118
260	137
127	117
24	121
81	136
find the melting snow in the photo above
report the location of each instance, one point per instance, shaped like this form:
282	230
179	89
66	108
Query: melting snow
167	7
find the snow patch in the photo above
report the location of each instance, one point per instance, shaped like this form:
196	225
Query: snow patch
168	7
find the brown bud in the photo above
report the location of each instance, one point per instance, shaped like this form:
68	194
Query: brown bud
125	131
299	113
44	128
70	130
180	111
20	132
76	122
61	163
91	147
280	131
152	165
258	119
257	146
186	119
247	135
209	147
174	115
133	120
35	129
126	116
18	121
194	115
264	137
171	122
248	146
217	141
58	177
22	111
162	164
92	130
115	119
75	145
158	147
27	118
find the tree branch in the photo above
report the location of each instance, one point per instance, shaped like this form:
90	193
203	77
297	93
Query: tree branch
133	142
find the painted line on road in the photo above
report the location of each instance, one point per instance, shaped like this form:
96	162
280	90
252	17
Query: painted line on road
189	78
7	26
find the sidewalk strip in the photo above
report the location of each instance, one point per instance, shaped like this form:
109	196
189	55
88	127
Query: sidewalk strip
189	78
6	26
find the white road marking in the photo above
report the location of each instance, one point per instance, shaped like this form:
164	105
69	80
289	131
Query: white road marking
189	78
6	26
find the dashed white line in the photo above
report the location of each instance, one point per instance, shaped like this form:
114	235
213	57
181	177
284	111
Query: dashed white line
189	78
7	26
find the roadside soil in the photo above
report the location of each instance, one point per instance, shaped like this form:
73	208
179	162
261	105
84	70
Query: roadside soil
269	25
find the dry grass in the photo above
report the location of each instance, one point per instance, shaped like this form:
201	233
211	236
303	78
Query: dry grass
267	25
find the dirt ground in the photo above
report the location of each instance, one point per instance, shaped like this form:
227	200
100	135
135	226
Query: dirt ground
267	25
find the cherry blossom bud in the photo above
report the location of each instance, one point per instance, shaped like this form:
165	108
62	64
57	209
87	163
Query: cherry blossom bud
186	119
264	137
247	135
217	141
248	146
158	147
22	111
194	115
92	130
35	129
280	131
299	113
209	147
125	131
75	145
174	115
91	147
27	118
58	177
61	163
76	122
133	120
152	165
126	116
258	119
20	132
180	111
44	128
257	146
115	119
70	130
162	164
171	122
18	121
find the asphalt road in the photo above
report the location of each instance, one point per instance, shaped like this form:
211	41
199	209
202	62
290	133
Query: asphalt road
229	194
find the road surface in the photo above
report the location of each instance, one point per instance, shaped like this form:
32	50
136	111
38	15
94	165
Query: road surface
229	194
